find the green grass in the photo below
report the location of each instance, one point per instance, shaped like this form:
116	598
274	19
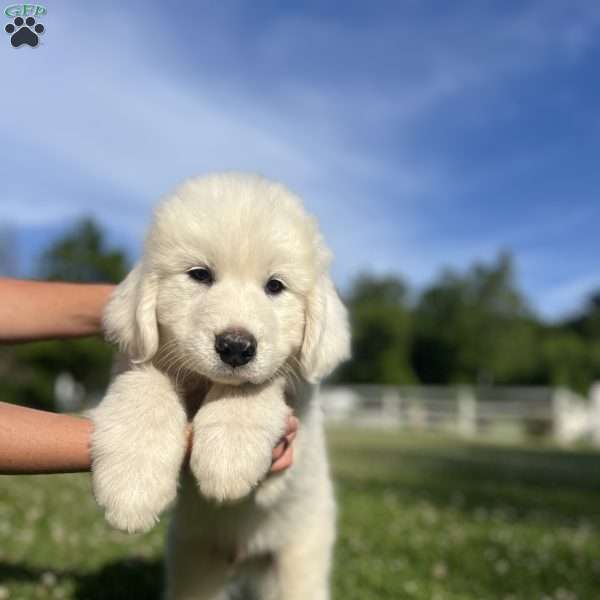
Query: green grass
420	517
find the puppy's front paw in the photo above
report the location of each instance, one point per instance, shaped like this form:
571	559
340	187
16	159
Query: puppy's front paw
234	436
138	445
134	494
229	462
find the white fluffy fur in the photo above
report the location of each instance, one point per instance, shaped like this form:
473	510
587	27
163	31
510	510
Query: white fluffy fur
232	524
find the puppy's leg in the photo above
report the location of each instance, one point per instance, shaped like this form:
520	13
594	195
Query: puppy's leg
234	434
138	446
193	574
266	583
303	566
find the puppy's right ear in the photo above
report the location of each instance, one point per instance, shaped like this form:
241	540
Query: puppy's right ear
130	316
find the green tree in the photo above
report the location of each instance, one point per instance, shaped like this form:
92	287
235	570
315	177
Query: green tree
82	256
474	327
570	351
566	359
587	322
380	320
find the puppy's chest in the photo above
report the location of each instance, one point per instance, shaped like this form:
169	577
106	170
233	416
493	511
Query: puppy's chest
193	396
235	532
194	393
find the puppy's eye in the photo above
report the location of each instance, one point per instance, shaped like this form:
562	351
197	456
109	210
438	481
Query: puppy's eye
201	274
274	286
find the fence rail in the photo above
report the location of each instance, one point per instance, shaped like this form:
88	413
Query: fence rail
466	410
469	411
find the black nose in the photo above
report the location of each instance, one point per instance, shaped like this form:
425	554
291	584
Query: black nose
236	347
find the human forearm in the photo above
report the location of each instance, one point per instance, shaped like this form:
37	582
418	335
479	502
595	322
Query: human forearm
35	442
33	310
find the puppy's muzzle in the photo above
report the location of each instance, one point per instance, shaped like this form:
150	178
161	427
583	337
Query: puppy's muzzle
236	347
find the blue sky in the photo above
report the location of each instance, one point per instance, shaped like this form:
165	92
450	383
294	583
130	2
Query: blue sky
422	134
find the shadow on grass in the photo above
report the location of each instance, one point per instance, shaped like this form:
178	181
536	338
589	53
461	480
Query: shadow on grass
133	579
556	485
122	580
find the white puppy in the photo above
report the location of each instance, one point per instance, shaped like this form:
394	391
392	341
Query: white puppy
229	320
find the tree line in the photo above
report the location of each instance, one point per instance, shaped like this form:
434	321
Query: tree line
473	326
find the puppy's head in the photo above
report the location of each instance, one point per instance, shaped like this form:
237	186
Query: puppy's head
233	285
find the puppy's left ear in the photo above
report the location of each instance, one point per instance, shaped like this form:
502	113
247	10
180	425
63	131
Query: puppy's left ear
326	332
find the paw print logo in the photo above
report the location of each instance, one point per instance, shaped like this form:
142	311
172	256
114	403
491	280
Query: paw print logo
24	32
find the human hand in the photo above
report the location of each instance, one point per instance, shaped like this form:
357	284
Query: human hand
283	453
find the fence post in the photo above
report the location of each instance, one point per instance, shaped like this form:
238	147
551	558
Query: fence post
392	406
595	412
416	415
467	412
560	414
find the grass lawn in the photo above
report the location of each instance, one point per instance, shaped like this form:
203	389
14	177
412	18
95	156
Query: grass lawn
420	517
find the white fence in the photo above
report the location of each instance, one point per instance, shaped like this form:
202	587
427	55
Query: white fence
469	411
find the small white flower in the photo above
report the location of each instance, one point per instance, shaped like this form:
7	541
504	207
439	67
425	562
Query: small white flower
502	567
48	579
411	587
440	570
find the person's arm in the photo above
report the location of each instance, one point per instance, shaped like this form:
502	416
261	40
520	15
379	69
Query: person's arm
35	310
36	442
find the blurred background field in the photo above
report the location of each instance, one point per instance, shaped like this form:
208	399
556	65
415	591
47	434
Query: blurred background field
420	516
